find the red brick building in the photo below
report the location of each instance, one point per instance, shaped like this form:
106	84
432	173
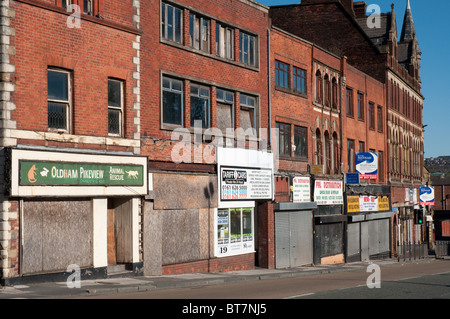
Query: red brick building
377	58
70	115
204	77
326	111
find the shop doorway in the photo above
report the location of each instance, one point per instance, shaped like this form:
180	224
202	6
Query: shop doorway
119	233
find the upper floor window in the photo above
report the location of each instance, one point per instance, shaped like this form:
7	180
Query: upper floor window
200	32
299	80
371	116
284	139
59	99
172	108
300	141
319	88
327	98
349	102
360	101
66	3
247	49
200	105
335	94
171	23
224	41
380	118
88	7
225	109
115	106
281	75
248	113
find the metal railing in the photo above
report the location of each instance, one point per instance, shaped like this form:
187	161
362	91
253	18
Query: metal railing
412	251
442	248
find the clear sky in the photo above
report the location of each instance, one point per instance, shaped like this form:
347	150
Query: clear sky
433	32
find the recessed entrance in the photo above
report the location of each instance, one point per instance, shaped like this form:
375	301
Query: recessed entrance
119	232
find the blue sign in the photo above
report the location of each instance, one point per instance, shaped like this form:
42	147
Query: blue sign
352	178
426	196
367	165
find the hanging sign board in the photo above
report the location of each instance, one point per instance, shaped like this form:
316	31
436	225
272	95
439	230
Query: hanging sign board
426	196
367	165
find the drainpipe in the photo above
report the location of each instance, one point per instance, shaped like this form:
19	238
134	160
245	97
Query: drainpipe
269	95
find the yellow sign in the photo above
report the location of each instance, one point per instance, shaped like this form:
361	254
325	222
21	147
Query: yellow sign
383	204
353	204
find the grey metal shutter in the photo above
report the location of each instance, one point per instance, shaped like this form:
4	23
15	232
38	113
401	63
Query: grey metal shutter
353	242
374	242
301	238
282	242
364	241
384	235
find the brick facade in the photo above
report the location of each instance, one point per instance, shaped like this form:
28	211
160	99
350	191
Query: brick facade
40	35
240	48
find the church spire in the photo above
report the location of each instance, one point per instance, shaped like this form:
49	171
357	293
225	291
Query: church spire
408	29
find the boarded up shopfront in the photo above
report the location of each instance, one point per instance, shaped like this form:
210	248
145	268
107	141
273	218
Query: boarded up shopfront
64	200
294	226
369	223
329	222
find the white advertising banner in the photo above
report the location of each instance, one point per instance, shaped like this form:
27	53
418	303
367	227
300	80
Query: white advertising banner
301	189
245	184
244	175
328	193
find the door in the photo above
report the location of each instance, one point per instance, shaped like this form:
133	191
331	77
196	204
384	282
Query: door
293	239
111	240
282	241
120	231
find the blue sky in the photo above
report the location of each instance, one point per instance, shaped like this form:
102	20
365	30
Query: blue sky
432	28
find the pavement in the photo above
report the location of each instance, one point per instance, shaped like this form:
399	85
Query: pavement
118	285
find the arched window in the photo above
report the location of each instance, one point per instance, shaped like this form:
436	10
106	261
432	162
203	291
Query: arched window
328	154
335	153
335	95
319	88
319	150
327	91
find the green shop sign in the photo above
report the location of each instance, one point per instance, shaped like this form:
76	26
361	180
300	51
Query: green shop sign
76	174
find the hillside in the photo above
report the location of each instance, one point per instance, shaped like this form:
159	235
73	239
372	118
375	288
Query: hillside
439	164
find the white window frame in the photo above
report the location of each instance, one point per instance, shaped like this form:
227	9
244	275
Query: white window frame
120	108
246	38
89	8
237	248
255	109
224	42
67	102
